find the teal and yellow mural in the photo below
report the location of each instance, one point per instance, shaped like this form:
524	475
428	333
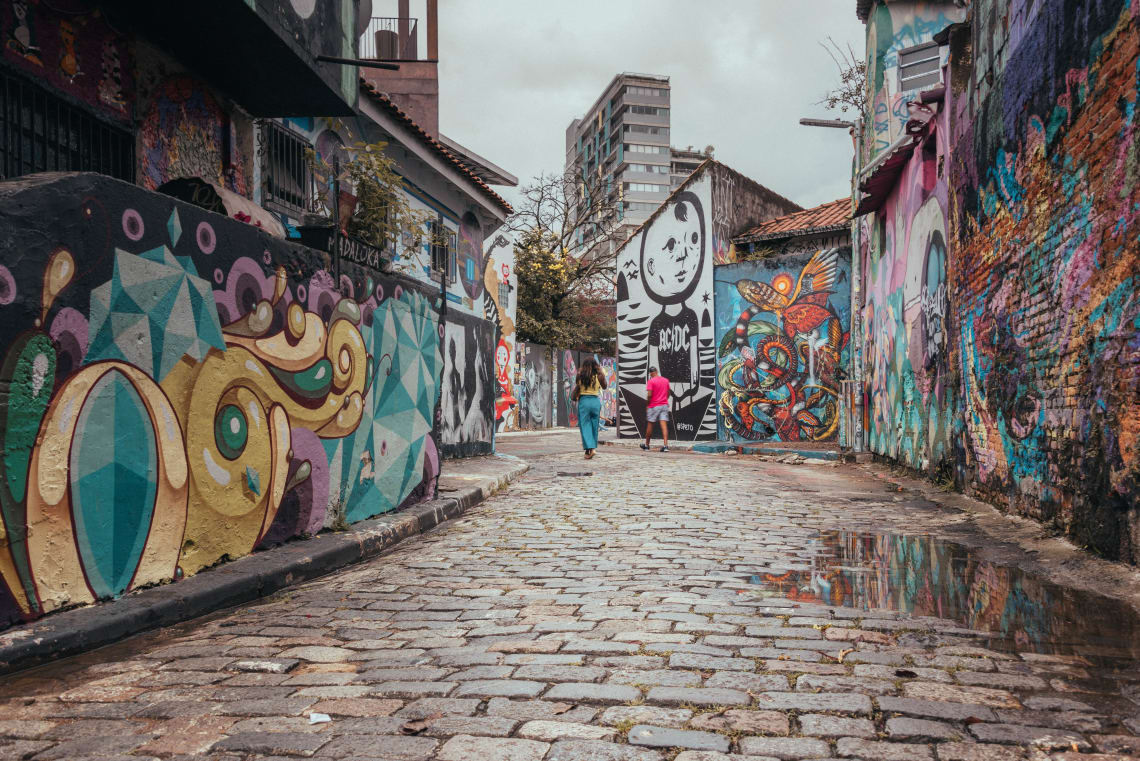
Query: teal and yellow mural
181	389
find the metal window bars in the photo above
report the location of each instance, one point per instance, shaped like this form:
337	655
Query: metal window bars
40	132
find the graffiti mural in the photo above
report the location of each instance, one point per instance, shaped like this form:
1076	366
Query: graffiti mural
500	285
906	314
537	407
1046	327
783	329
184	134
609	395
183	389
664	315
567	375
70	47
893	28
468	392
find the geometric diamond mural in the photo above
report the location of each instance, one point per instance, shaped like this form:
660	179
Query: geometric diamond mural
381	462
154	311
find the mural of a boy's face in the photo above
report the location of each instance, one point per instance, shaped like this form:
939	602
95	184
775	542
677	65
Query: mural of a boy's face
501	356
673	251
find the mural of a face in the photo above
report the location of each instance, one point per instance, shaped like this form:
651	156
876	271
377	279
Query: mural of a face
673	251
502	354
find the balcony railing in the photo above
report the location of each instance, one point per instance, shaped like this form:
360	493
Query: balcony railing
390	39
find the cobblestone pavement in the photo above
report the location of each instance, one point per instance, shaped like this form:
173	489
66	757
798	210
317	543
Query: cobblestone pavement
602	617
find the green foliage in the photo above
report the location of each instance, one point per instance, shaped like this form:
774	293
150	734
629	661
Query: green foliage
382	217
549	311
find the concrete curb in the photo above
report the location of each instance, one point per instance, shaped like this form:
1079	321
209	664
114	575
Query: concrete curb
240	581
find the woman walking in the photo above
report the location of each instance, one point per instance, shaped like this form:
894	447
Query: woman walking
587	392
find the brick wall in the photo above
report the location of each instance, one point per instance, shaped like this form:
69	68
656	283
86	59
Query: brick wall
1045	263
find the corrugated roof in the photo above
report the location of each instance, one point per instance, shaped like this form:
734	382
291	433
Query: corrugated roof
386	103
829	216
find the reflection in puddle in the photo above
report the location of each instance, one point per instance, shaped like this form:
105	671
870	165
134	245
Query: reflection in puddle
924	576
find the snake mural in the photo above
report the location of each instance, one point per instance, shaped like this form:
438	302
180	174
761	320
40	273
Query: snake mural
182	389
782	329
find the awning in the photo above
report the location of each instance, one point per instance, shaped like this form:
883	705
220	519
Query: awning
206	195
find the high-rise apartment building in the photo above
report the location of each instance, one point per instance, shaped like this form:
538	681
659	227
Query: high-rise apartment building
684	161
620	148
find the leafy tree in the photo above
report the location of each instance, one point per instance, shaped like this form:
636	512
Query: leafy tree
550	312
568	229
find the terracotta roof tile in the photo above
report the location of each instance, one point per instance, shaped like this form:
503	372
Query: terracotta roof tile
835	214
388	105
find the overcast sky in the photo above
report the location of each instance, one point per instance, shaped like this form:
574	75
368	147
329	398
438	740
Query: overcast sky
514	73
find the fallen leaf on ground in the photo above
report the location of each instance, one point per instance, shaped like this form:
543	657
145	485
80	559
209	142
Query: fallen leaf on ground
416	726
844	653
905	673
561	708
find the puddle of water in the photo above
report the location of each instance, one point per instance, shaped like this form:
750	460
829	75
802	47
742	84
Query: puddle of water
924	576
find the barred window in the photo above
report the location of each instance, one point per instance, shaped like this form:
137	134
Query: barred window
286	181
42	133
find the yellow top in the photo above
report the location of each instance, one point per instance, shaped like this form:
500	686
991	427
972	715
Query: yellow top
594	389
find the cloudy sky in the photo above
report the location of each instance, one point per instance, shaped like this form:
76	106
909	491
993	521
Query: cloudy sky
514	73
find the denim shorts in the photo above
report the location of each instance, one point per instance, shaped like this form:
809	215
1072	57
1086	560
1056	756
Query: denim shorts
653	414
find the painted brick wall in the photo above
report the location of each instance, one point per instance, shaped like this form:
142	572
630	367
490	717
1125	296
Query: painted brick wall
1045	264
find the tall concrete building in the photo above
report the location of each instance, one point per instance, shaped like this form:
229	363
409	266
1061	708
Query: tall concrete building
620	148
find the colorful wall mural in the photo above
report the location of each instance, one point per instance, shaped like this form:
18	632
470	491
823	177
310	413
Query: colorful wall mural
910	397
1045	316
69	46
180	389
664	314
891	28
500	289
567	367
782	327
1002	324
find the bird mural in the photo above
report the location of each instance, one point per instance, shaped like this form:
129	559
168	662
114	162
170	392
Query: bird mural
781	383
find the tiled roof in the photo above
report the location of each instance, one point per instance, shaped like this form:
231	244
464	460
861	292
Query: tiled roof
386	103
829	216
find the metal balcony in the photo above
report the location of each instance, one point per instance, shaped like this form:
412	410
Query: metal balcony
390	39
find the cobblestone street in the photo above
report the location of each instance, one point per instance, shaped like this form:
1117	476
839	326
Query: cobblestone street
593	611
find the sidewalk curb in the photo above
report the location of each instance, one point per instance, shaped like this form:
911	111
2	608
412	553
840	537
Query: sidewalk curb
248	578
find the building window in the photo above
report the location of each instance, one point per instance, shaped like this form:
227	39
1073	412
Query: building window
638	148
438	244
504	296
286	181
919	67
651	91
644	187
648	110
41	133
650	168
647	130
639	206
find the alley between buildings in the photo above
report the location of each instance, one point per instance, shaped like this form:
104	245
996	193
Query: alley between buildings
635	607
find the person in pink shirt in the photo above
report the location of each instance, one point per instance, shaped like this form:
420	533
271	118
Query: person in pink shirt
657	389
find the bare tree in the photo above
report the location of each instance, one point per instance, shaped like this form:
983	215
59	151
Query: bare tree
852	90
580	222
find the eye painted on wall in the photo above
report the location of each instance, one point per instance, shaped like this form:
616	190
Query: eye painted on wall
230	431
669	245
695	238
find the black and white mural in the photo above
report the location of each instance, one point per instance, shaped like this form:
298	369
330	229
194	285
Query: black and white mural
467	396
665	315
536	408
